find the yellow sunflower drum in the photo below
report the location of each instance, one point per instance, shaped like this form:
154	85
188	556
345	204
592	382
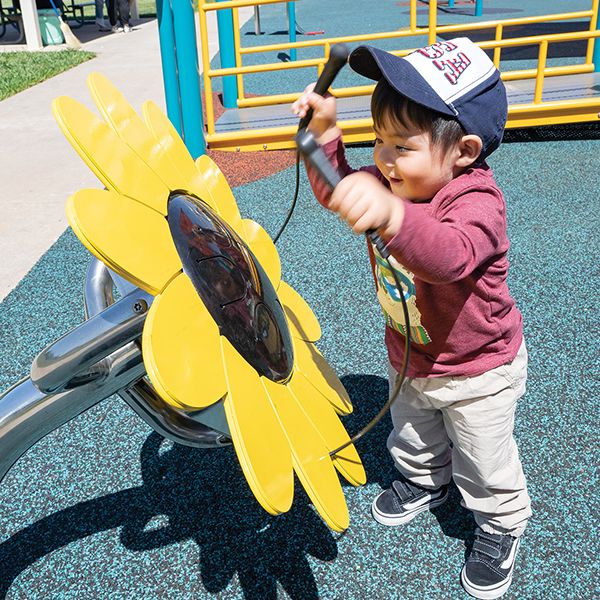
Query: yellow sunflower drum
227	347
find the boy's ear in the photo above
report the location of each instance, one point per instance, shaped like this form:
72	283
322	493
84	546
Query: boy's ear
470	148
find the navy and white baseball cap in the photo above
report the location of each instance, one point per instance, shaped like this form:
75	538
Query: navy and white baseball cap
455	78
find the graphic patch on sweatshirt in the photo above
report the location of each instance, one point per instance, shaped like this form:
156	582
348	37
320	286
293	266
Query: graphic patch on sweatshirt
389	298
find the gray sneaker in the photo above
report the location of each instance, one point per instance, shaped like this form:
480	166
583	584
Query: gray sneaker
404	501
488	572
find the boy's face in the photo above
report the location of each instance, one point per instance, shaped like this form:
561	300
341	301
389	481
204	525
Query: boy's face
405	156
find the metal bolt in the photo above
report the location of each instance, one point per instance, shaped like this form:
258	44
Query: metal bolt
264	146
140	306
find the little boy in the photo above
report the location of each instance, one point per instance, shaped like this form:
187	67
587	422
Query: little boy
438	113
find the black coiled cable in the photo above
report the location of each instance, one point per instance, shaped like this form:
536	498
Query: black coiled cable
313	153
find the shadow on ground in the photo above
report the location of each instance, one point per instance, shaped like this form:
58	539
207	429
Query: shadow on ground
195	495
199	495
553	133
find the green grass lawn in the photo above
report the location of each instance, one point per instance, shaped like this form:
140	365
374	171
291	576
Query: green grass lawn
20	70
147	8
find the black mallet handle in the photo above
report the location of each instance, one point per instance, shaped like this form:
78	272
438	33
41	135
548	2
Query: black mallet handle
338	57
314	155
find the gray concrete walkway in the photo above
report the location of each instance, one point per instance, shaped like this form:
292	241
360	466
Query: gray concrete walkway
38	167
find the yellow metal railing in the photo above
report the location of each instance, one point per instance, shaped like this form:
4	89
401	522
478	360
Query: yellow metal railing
360	129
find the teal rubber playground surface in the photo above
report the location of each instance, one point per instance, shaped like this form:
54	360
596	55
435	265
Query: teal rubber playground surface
103	508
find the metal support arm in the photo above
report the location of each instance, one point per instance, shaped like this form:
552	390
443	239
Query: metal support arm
99	358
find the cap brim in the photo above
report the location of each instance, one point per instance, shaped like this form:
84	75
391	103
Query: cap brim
400	74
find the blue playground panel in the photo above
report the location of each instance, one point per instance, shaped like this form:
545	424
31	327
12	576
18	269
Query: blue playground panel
102	509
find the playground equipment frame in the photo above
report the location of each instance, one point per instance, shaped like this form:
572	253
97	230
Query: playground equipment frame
97	359
535	113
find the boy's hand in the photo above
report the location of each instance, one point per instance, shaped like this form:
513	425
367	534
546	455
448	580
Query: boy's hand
323	122
364	203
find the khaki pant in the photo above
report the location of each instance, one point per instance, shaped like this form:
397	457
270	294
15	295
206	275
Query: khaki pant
462	427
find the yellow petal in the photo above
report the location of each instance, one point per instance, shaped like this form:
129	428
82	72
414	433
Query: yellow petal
221	192
259	441
166	135
263	248
310	457
310	362
328	424
181	349
129	237
172	146
129	126
303	323
111	160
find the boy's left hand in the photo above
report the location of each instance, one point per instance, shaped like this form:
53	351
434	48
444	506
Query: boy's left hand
364	203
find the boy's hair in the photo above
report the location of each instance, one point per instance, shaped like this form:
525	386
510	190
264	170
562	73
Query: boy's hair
387	105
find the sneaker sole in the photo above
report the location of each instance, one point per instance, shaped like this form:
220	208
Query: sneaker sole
484	593
488	592
393	521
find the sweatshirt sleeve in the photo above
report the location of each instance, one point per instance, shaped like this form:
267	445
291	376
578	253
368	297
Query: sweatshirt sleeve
470	231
